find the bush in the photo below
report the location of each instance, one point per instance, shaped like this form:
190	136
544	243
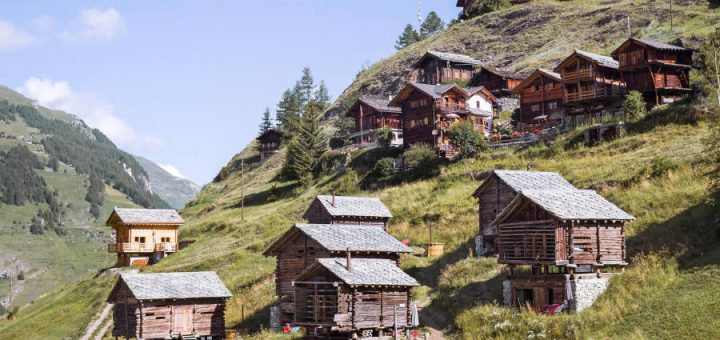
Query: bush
487	6
384	136
634	106
468	141
384	167
418	155
347	184
36	229
661	166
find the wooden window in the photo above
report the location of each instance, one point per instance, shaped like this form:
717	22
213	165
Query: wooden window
535	107
165	239
477	104
426	121
552	106
139	239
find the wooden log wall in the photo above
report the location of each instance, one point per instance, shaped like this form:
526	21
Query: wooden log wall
546	288
496	196
531	242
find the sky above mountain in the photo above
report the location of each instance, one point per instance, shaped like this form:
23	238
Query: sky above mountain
184	83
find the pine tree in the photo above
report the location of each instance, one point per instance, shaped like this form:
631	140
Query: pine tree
288	107
305	149
432	24
266	124
305	88
408	37
321	94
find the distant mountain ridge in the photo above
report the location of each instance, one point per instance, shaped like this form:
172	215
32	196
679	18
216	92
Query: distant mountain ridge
174	190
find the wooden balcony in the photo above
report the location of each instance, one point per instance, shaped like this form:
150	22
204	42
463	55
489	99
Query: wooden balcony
142	247
600	92
582	74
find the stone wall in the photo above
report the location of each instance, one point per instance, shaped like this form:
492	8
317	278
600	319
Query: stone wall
275	318
507	292
586	290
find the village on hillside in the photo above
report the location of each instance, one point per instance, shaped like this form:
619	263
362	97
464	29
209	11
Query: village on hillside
338	269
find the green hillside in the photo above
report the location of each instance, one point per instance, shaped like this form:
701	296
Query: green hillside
657	172
51	231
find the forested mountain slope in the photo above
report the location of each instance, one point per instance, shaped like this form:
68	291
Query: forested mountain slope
59	179
656	172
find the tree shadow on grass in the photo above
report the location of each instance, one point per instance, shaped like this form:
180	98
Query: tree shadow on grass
275	193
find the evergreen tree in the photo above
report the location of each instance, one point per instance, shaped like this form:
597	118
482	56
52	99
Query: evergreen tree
305	148
408	37
288	107
345	127
266	124
305	88
54	164
432	24
321	94
634	106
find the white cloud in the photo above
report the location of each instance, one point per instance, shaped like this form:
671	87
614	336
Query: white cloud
58	94
93	24
171	169
13	37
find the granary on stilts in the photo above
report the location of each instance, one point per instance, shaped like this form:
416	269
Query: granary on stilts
169	305
331	209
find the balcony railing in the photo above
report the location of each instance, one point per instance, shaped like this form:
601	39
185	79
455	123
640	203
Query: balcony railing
142	247
582	74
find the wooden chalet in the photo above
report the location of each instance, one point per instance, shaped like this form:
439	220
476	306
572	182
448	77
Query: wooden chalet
482	104
371	114
440	67
300	246
430	111
499	82
541	97
660	71
498	189
143	236
331	209
269	142
169	305
367	297
568	238
590	83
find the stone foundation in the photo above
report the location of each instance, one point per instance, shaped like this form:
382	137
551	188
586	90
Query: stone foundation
507	292
275	318
586	290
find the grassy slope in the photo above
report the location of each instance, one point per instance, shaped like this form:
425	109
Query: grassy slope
666	207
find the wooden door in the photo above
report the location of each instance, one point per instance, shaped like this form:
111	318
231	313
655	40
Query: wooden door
182	320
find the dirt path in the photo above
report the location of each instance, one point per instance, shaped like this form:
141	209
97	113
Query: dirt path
104	329
95	324
432	320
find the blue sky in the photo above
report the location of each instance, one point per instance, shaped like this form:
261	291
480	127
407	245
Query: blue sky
184	83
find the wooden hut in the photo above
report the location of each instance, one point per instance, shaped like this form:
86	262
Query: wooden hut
568	238
169	305
482	105
370	115
300	246
499	82
143	236
541	97
331	209
660	71
269	142
497	191
591	82
368	297
430	111
441	67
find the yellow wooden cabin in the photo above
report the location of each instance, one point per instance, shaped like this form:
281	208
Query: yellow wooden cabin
143	236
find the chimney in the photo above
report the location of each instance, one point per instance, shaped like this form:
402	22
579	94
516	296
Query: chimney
333	200
348	260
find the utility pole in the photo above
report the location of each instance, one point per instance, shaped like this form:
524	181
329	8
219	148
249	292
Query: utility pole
628	27
671	17
242	189
419	7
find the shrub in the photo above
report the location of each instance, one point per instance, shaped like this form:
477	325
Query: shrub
384	167
634	106
418	155
347	184
661	166
384	136
487	6
468	141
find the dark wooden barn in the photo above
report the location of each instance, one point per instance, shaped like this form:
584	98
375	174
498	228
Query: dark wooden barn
362	297
440	67
269	142
371	114
499	82
541	97
568	238
660	71
591	82
169	305
331	209
497	191
300	246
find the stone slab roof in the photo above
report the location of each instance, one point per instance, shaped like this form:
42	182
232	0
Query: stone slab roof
354	206
375	272
184	285
600	59
521	180
452	57
435	91
160	216
341	237
380	104
503	73
661	46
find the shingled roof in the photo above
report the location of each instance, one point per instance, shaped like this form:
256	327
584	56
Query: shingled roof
451	57
537	73
353	206
601	60
364	272
502	73
436	91
183	285
650	43
147	216
341	237
379	104
520	180
566	204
